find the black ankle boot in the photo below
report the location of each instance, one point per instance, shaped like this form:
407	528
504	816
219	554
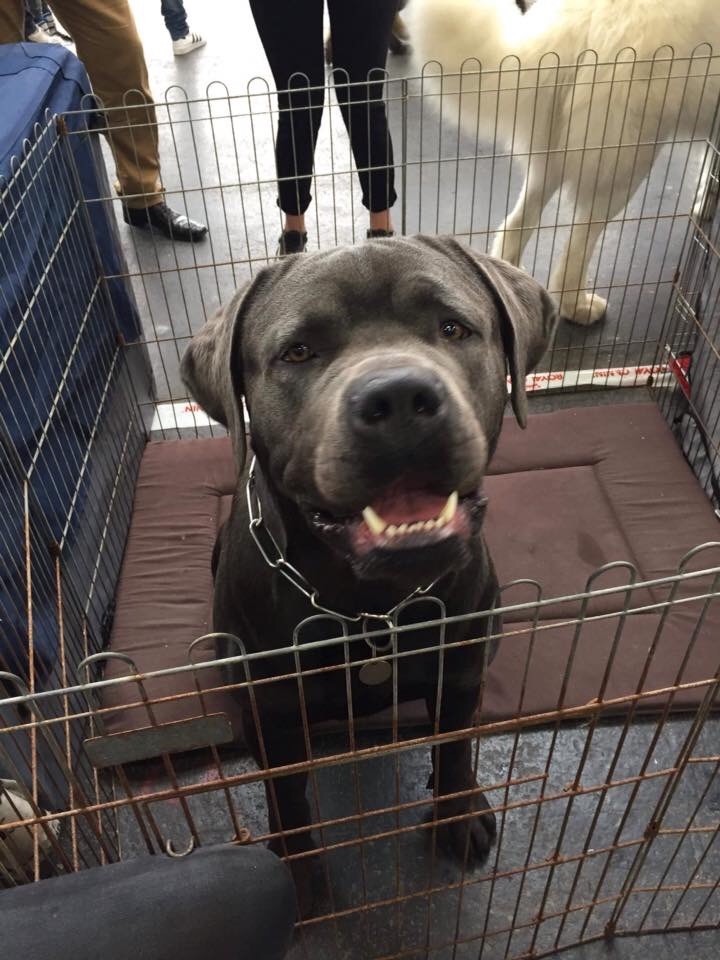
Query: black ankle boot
291	241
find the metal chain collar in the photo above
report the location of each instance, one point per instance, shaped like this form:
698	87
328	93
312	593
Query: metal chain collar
293	575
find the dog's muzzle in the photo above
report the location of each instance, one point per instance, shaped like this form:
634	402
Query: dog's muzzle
413	506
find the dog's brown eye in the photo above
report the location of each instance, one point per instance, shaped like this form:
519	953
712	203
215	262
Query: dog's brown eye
452	330
298	353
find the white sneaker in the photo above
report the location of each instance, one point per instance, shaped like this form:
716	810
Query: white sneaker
193	41
42	36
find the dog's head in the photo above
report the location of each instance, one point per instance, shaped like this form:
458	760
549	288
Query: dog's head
375	380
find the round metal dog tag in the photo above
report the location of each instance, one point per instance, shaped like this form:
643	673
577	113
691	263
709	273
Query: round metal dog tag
375	672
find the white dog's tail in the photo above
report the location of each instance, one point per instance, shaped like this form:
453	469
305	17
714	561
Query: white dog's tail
455	31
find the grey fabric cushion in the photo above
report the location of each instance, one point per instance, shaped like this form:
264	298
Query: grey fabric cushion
228	903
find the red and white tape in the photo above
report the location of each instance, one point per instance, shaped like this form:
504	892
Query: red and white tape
630	376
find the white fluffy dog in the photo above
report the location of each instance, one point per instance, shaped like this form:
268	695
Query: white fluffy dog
589	124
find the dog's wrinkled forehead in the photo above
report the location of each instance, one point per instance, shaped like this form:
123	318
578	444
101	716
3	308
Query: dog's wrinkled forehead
381	294
382	282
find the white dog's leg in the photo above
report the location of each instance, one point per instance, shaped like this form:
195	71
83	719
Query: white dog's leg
569	276
604	186
541	182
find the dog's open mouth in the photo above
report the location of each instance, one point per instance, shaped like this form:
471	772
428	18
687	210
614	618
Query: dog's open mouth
405	520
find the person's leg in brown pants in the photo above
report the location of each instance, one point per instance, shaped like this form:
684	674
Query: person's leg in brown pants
107	42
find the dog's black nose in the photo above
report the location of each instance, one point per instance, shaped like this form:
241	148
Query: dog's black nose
396	399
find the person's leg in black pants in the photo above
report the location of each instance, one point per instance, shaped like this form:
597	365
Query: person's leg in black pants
360	35
291	33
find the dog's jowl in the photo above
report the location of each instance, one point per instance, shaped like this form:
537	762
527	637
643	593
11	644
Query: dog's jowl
375	381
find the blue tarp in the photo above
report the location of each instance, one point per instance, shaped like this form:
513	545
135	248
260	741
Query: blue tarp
59	324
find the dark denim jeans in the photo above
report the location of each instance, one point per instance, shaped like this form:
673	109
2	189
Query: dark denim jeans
175	17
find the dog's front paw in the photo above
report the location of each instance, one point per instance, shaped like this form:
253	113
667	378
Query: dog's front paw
585	309
468	839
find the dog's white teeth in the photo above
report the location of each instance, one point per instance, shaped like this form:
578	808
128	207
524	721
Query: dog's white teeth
448	511
375	523
378	526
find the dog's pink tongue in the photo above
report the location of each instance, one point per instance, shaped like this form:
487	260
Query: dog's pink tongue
408	507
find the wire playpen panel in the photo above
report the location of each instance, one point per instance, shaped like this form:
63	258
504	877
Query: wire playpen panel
603	828
607	809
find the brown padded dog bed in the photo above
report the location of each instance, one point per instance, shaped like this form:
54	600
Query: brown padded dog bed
578	488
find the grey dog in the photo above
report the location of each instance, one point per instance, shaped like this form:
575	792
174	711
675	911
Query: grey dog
375	381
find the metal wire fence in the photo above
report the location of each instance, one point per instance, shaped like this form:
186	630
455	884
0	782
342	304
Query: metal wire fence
602	828
463	179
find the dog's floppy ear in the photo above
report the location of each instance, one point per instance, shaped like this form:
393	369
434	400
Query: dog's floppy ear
211	367
528	315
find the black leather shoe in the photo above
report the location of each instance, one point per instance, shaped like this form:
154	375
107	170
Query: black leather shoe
291	241
160	217
374	234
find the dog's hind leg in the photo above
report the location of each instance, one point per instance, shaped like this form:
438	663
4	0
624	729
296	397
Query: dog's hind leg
603	184
541	182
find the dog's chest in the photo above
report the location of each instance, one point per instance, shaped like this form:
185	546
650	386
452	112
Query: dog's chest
374	671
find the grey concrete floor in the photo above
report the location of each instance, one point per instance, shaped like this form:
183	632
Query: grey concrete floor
218	164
